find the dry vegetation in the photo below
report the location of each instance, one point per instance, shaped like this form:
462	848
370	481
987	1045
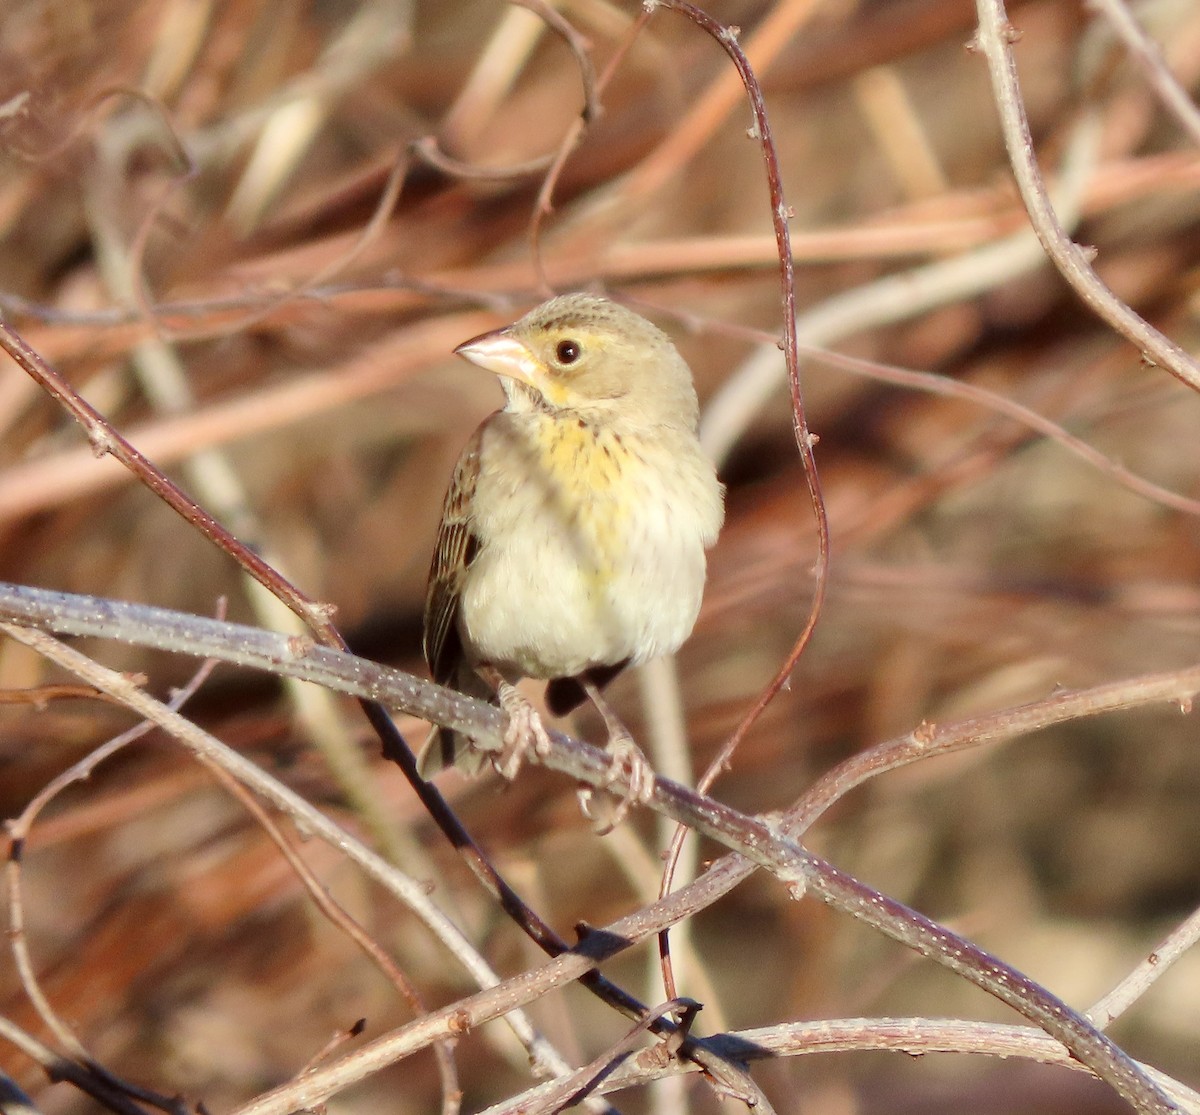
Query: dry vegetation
250	233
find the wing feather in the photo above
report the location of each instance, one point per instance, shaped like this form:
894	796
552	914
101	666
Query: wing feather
453	553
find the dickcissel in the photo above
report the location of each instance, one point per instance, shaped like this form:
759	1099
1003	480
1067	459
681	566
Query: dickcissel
573	536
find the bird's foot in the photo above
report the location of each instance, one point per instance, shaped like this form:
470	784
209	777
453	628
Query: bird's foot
630	771
524	730
630	779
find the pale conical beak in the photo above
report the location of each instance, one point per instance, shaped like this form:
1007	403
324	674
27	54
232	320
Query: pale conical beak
503	354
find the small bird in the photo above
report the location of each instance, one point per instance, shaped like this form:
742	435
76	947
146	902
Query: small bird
573	535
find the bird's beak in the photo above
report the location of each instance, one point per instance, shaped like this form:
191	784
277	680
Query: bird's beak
503	354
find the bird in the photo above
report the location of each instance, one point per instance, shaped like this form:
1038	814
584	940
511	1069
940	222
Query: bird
574	531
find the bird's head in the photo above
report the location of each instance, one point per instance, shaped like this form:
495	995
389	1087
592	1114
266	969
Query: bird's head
587	355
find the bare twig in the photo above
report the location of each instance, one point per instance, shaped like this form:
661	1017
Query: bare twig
342	920
71	473
579	48
544	205
805	441
105	439
19	830
560	1094
180	633
219	486
40	696
723	95
912	1036
427	150
1148	55
411	893
995	38
893	298
760	841
935	384
84	1077
1143	977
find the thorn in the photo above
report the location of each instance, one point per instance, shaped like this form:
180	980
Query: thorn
300	646
101	442
323	610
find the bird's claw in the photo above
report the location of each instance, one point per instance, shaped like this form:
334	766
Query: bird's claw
524	730
631	778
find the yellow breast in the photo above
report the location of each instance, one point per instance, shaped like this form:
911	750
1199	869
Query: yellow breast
593	481
591	544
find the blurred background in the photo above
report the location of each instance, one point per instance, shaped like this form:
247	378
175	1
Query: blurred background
196	229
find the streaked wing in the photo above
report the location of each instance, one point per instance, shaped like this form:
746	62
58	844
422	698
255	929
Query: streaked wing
455	549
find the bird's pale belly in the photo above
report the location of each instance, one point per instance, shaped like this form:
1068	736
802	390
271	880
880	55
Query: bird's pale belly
588	579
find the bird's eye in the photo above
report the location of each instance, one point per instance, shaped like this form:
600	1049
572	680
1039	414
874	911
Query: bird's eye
568	352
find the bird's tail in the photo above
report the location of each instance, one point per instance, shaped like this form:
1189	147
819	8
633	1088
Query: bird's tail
564	695
444	747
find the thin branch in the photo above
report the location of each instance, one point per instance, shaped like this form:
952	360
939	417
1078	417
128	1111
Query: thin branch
57	1067
1178	687
104	439
309	819
995	38
935	384
19	830
897	297
342	920
36	485
1149	57
1148	972
409	892
781	213
578	45
914	1037
200	636
544	204
760	841
427	150
780	216
573	1088
713	106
